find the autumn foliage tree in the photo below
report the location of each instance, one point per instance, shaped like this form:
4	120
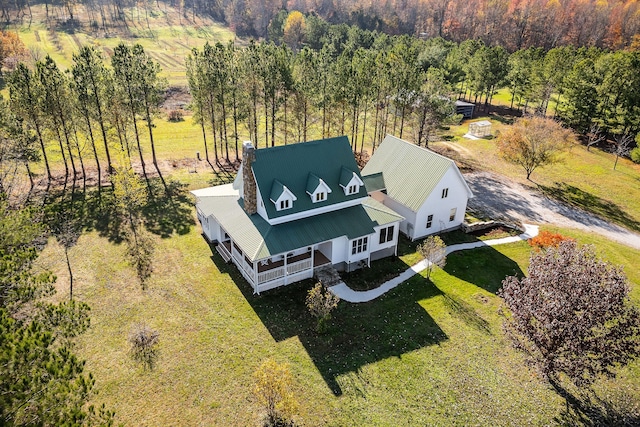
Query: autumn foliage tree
572	314
12	50
534	142
273	388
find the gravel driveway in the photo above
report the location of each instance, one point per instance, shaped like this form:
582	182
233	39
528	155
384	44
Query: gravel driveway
497	196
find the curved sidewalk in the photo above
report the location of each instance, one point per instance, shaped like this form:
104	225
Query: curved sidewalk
344	292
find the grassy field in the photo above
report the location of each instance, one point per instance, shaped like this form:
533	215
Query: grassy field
165	35
431	352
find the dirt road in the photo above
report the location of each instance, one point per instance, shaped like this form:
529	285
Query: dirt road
497	196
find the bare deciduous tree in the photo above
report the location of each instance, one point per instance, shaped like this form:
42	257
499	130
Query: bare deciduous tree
144	345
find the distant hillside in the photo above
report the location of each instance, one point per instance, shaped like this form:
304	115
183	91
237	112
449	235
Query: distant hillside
163	32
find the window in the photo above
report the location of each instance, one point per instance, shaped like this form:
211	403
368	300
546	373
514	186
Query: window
284	204
321	196
352	189
429	221
386	234
445	192
452	215
359	245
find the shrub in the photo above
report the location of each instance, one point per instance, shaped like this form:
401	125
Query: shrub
144	345
175	116
547	239
635	155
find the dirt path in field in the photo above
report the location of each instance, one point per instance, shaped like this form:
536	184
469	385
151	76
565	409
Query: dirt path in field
498	196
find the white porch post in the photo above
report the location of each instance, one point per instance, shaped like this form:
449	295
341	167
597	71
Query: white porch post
286	281
313	249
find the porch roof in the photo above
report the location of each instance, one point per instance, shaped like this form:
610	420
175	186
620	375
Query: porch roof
259	240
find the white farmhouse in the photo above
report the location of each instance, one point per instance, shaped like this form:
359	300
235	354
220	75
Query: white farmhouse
294	209
427	189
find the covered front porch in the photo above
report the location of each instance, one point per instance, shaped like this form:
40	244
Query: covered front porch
277	270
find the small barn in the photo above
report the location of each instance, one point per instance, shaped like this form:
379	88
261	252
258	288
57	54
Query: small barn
464	108
480	129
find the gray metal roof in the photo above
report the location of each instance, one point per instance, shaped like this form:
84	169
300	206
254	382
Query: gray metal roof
259	240
410	173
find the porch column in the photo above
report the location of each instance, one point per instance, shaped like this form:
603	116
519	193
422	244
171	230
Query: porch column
313	249
286	281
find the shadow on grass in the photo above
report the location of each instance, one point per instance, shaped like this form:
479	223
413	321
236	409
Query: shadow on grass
95	209
359	334
587	409
574	196
484	267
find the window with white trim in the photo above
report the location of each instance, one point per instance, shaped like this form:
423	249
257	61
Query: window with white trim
429	221
386	234
321	196
452	215
359	245
445	193
353	189
285	204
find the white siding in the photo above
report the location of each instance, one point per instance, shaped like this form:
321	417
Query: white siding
375	240
440	207
408	214
339	252
210	227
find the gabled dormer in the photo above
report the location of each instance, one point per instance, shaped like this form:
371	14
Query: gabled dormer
317	189
281	196
350	182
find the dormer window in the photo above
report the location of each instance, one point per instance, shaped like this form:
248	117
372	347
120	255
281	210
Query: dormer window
350	182
317	189
281	196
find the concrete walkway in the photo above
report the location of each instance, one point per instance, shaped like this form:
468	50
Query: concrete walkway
344	292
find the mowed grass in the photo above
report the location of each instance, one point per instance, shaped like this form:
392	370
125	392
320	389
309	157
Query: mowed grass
166	36
585	179
430	352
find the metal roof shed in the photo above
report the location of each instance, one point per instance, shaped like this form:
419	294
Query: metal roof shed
480	129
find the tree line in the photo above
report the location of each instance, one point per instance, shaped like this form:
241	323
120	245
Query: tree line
89	111
352	81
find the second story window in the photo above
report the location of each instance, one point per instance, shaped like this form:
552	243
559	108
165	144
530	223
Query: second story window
284	204
321	196
445	193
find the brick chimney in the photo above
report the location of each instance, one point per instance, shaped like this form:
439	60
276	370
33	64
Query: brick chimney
248	180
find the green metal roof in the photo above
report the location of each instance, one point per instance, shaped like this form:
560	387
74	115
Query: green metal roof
345	177
312	183
292	164
259	240
410	173
276	190
374	182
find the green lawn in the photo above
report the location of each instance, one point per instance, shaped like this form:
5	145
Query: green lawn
426	353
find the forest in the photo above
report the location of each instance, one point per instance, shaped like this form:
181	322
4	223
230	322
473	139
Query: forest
512	24
337	79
